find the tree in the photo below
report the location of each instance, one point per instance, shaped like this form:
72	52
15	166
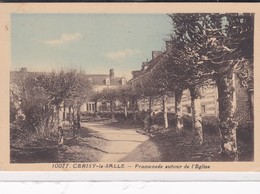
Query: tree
186	73
245	74
70	88
124	96
150	92
166	79
40	94
135	93
32	102
107	95
158	86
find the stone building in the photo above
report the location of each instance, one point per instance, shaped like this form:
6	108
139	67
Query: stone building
100	82
209	98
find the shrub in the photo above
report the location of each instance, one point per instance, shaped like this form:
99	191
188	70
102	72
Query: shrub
159	120
210	125
119	115
140	115
87	114
245	131
187	122
105	114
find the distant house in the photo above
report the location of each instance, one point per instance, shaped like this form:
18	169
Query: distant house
100	82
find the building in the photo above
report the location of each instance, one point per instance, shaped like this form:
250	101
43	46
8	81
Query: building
209	98
100	82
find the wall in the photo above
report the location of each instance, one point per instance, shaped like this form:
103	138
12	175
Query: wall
208	102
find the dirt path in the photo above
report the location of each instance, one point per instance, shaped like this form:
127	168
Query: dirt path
120	142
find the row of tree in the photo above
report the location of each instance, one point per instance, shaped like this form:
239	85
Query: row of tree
204	49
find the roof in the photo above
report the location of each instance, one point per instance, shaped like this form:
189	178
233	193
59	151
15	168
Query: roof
151	64
99	79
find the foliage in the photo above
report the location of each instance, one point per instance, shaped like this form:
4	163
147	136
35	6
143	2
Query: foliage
71	86
215	45
218	42
39	94
210	125
187	122
245	131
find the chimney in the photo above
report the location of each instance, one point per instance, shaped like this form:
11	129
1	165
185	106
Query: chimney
135	73
156	54
23	70
111	73
145	65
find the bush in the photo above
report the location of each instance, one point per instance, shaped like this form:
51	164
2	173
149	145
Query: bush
119	115
140	115
159	120
210	125
245	131
105	114
187	122
87	114
15	131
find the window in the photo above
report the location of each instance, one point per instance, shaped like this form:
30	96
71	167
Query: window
90	106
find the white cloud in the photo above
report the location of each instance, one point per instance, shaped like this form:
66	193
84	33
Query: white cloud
64	38
121	54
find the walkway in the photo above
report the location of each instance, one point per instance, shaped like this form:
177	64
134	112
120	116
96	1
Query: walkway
120	142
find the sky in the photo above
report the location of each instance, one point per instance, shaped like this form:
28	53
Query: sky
90	42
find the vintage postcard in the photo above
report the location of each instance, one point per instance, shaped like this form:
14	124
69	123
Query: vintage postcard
164	87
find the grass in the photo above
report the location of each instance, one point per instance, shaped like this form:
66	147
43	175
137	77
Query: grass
168	146
126	124
86	147
173	146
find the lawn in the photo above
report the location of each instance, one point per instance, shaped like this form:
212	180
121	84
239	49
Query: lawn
86	147
172	146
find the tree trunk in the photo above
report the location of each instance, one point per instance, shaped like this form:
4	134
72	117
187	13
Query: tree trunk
78	116
151	111
125	110
228	125
165	117
64	112
46	125
196	114
133	109
112	110
251	104
70	116
178	109
73	113
52	119
47	121
59	115
96	109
